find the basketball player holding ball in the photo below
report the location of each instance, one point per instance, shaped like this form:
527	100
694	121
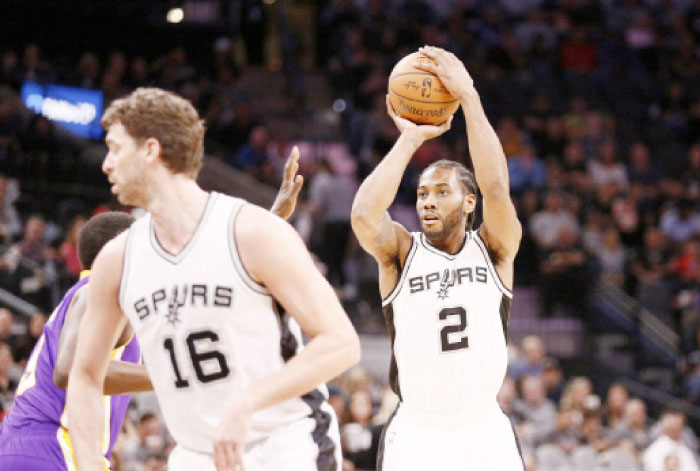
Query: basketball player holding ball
446	292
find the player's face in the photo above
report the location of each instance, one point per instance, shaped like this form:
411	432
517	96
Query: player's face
123	165
442	205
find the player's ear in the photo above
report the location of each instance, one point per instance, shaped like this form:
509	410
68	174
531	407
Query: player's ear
152	149
469	203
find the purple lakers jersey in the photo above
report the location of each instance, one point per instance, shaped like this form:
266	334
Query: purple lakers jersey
39	405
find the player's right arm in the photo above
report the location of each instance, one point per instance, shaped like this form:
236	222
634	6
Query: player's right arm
284	266
122	377
99	331
384	239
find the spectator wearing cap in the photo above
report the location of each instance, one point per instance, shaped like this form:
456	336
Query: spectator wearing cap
670	443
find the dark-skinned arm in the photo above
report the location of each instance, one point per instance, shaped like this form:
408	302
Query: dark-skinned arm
122	377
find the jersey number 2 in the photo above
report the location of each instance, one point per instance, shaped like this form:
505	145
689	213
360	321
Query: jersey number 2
447	345
198	358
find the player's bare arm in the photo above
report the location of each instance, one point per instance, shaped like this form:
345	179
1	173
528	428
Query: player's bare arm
122	377
100	329
387	241
501	229
287	270
286	200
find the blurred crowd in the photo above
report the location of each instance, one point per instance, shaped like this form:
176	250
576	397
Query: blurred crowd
596	103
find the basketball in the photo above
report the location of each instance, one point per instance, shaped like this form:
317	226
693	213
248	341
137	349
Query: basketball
419	96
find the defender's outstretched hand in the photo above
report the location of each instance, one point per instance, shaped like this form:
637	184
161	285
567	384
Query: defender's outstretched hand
286	200
420	131
448	68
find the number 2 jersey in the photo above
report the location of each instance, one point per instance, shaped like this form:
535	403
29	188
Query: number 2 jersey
39	406
208	330
447	319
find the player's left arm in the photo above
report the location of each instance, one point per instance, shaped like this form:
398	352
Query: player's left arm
501	229
99	331
122	377
285	267
286	200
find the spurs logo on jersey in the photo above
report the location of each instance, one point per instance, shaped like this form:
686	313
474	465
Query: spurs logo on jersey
447	318
195	295
207	329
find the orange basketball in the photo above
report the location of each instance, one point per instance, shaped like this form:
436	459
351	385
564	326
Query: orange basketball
418	95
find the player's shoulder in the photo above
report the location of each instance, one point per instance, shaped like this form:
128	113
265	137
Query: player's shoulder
112	254
255	222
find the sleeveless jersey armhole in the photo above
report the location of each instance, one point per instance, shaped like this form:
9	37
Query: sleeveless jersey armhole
235	255
395	292
497	279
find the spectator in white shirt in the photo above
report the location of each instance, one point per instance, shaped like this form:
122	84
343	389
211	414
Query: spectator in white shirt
670	445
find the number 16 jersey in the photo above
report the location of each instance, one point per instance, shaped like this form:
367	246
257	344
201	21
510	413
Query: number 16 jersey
207	329
447	319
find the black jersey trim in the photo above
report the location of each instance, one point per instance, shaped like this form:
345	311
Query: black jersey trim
388	312
404	271
126	265
436	251
504	311
289	345
517	440
492	269
382	440
175	259
236	256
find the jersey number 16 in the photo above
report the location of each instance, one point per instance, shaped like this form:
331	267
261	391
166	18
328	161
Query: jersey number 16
218	368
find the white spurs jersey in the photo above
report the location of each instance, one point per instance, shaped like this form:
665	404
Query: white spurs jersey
447	318
207	329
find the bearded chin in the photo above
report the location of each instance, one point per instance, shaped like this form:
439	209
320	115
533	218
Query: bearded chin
452	222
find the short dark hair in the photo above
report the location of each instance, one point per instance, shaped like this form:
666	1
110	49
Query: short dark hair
97	232
466	178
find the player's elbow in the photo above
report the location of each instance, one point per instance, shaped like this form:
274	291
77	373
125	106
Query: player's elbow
348	343
60	378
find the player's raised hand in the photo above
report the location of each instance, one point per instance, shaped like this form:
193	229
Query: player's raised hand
448	68
286	200
230	439
420	131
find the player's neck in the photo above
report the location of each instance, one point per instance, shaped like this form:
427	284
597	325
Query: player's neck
451	244
176	207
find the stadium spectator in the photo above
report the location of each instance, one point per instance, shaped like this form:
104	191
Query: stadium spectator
537	413
330	198
669	444
565	274
24	343
615	403
360	439
10	226
534	362
633	425
9	377
150	439
547	224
